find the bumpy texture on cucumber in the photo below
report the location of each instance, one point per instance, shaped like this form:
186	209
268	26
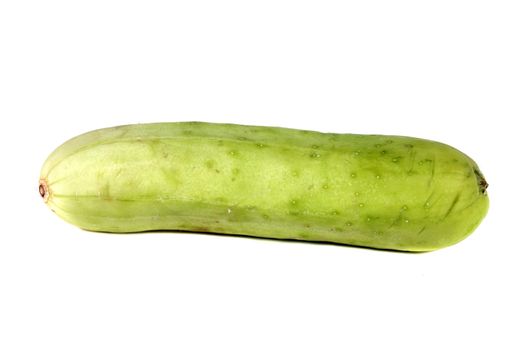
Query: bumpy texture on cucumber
387	192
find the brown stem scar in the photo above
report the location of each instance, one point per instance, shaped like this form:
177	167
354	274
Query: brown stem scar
43	190
483	184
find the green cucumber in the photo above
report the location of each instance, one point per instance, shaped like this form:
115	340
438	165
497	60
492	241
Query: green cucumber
388	192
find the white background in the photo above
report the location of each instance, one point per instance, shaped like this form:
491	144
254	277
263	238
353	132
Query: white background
451	71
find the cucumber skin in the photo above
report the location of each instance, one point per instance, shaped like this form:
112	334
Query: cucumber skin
378	191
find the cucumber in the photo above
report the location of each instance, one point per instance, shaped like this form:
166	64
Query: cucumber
378	191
